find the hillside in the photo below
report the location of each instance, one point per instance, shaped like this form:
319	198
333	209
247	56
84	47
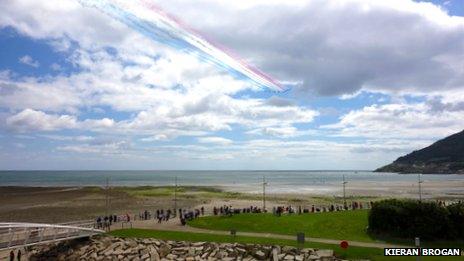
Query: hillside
445	156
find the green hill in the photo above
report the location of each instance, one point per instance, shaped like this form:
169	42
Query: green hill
445	156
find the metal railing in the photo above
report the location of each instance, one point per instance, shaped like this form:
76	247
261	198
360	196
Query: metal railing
14	235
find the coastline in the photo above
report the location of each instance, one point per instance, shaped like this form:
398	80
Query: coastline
63	204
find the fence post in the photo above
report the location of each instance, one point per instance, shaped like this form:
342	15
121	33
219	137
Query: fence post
26	236
11	231
42	231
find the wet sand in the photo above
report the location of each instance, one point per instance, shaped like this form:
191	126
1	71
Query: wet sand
54	205
63	204
432	189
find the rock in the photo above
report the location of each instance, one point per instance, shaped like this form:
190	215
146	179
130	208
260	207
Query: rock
171	256
260	255
289	257
108	248
147	241
153	253
289	249
108	252
117	252
221	254
205	255
164	250
324	253
191	251
307	250
131	244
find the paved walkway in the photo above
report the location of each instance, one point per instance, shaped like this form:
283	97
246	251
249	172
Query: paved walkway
174	225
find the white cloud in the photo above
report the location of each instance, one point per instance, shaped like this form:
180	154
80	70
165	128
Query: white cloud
215	141
59	19
110	148
284	132
29	61
332	48
29	120
92	124
40	94
55	67
79	138
340	46
400	121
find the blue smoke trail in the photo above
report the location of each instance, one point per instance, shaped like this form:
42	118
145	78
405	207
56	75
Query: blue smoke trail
167	31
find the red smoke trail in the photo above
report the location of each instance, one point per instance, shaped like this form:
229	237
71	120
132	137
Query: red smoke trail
181	24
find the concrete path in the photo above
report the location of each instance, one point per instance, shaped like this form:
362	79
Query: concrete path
174	225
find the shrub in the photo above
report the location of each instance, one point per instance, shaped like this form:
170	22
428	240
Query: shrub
456	216
411	218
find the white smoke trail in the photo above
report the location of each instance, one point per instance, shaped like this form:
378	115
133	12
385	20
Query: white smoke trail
152	22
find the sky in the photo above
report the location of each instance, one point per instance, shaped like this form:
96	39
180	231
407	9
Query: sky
365	82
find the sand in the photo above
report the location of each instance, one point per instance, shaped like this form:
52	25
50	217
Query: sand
55	205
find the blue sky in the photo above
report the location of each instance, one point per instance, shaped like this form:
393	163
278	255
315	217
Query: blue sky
368	81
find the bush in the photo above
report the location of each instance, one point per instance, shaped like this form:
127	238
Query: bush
411	218
456	216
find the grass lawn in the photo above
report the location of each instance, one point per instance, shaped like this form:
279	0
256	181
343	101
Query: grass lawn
202	192
346	225
349	225
352	253
205	192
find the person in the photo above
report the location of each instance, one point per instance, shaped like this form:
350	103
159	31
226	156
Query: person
12	255
18	256
106	221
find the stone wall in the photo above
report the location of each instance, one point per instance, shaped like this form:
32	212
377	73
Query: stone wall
111	248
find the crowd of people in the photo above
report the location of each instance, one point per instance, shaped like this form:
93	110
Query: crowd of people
105	222
184	215
160	215
189	215
279	210
229	210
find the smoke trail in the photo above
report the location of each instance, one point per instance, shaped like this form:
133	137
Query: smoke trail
149	20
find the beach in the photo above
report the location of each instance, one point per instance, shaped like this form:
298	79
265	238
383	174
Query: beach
63	196
71	203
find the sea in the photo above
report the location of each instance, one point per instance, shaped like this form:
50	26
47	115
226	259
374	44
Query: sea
311	182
